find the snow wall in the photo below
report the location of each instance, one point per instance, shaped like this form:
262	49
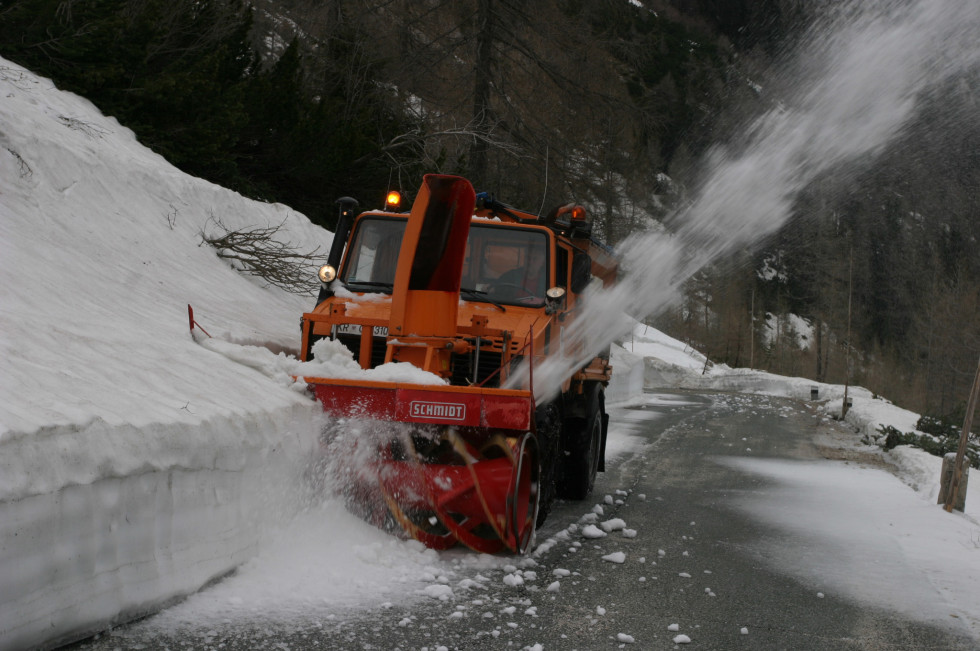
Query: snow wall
90	555
135	464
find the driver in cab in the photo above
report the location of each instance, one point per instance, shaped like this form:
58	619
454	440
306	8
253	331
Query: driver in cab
525	283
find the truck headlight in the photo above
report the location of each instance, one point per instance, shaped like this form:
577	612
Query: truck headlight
555	300
326	274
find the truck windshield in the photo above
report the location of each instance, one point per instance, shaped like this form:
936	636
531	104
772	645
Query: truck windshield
373	254
503	263
509	264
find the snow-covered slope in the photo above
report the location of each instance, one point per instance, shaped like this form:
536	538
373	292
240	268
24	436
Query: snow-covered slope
134	463
103	241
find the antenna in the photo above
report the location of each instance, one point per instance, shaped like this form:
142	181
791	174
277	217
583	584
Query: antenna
543	196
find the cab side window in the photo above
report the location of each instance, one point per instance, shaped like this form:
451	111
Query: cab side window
561	266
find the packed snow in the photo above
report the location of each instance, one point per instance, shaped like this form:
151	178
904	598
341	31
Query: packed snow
138	462
869	536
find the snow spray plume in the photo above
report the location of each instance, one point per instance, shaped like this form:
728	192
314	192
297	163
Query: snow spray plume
348	467
856	79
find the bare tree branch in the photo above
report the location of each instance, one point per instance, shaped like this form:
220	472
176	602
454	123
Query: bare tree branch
257	252
25	169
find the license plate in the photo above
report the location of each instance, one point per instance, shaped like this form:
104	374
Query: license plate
355	329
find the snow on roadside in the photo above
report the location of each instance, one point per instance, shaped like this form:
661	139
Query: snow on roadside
325	562
672	364
868	535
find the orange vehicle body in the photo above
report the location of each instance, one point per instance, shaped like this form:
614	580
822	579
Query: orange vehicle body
480	466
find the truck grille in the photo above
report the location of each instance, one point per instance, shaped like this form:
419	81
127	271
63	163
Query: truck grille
463	368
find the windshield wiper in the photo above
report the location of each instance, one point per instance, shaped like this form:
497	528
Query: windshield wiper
478	295
368	283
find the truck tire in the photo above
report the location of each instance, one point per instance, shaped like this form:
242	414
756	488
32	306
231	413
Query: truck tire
584	443
548	425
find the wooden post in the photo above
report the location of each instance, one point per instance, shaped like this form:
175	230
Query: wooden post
961	450
946	482
752	330
847	358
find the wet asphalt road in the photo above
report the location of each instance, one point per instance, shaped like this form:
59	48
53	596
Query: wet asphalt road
694	565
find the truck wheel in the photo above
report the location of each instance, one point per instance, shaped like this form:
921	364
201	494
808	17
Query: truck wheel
583	447
548	424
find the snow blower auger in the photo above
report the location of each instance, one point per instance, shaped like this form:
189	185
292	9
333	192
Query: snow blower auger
471	294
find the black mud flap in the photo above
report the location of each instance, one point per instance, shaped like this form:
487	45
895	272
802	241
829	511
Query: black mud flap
602	453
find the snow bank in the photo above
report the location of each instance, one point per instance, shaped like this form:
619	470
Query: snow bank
93	553
135	464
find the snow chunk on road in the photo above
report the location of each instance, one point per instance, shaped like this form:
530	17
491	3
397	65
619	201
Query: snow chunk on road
513	580
592	531
615	557
438	591
682	639
613	525
625	639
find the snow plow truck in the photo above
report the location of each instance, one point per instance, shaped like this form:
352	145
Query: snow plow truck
478	294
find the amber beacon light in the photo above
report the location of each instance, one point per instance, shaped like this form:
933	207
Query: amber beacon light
393	200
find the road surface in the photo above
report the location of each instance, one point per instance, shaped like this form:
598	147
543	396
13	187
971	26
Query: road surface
697	567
